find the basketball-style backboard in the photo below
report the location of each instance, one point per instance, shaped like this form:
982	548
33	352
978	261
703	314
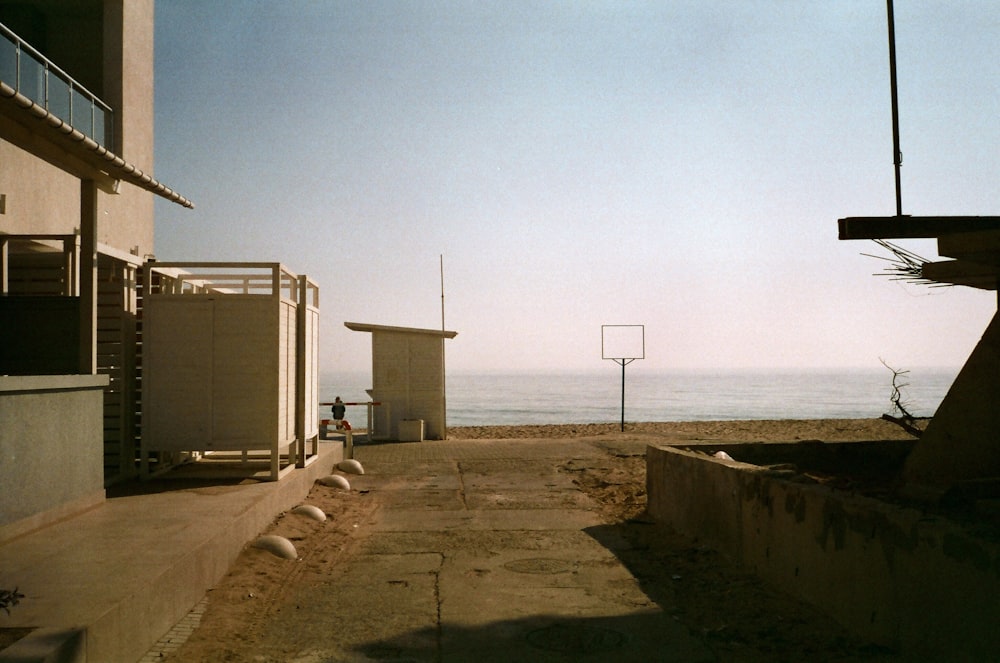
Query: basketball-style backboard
623	342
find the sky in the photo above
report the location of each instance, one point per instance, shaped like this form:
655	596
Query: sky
674	164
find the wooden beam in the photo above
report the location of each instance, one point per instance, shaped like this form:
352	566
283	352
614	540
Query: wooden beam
962	272
982	247
912	227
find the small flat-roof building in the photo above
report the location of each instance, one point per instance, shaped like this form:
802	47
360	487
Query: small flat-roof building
408	377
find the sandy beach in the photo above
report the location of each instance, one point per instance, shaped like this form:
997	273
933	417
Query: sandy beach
828	430
733	614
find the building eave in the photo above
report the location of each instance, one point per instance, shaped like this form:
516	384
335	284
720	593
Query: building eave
362	327
79	147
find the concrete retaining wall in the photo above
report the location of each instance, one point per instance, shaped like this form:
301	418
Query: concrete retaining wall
919	583
52	444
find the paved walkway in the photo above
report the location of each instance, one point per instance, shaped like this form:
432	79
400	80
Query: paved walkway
103	586
483	551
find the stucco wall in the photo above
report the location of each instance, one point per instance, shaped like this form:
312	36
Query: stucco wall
51	449
126	219
42	199
901	577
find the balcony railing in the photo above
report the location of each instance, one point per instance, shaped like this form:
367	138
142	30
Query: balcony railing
31	74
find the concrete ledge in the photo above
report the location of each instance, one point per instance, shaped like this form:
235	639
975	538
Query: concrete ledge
34	383
901	577
48	645
126	572
54	515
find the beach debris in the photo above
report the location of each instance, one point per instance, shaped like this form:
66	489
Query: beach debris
905	420
336	481
350	466
722	455
310	511
904	265
276	545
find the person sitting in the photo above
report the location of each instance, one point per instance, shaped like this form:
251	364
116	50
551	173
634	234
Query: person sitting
339	410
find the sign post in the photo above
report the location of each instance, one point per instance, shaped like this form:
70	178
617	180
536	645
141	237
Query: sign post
623	344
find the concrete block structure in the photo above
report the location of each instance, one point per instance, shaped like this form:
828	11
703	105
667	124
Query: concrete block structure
51	465
920	583
958	452
408	378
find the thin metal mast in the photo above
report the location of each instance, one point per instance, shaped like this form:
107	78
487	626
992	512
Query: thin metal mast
897	155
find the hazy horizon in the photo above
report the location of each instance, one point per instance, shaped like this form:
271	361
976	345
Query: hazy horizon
679	165
614	370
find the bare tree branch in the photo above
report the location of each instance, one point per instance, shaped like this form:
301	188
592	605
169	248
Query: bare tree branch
905	420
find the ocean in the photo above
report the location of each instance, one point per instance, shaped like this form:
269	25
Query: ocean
484	399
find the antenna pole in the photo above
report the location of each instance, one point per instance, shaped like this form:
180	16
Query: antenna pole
897	155
441	256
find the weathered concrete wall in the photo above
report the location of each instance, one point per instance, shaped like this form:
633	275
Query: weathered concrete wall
960	442
51	449
898	576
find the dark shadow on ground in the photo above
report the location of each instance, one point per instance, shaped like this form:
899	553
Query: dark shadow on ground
639	638
735	613
169	485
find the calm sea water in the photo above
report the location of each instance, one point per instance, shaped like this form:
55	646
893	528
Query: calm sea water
596	397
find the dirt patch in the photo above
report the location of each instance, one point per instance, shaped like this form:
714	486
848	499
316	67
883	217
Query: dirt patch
260	583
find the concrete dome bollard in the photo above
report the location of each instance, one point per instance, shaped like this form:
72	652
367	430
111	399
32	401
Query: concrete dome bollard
276	545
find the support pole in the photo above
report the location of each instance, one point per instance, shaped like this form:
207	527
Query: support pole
623	363
4	266
88	277
897	155
623	396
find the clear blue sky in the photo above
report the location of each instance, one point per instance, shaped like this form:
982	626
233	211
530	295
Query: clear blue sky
676	164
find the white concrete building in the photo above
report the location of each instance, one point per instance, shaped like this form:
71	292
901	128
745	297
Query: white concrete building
76	221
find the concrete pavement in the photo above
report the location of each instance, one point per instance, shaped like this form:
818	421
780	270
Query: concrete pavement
103	586
481	551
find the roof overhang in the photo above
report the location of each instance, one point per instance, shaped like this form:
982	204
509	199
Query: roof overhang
33	128
362	327
912	227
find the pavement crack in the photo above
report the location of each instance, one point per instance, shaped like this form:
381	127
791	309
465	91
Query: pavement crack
461	485
438	627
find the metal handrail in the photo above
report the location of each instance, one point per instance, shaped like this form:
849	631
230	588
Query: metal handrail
99	124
